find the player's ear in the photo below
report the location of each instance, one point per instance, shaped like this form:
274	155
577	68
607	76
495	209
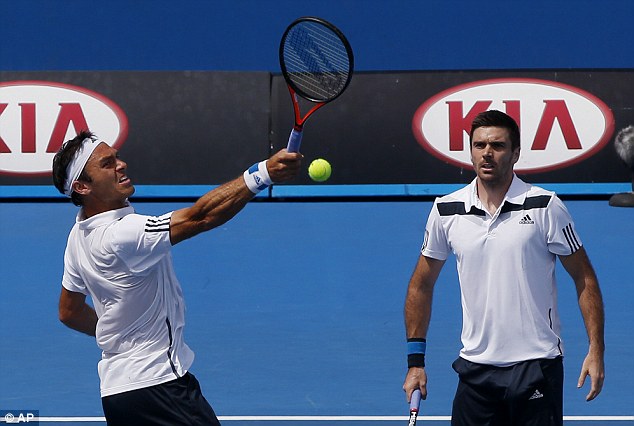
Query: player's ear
80	187
516	155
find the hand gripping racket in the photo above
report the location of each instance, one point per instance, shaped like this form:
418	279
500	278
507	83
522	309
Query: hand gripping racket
317	63
414	405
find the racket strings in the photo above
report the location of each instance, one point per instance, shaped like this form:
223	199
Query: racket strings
316	60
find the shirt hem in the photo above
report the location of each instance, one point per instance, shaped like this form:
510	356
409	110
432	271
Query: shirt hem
503	364
141	385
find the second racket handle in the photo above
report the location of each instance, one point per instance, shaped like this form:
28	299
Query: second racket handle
294	141
415	401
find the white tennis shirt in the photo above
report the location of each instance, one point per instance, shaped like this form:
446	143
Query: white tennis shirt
506	268
123	261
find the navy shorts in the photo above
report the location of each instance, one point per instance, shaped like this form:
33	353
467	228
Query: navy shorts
175	403
529	393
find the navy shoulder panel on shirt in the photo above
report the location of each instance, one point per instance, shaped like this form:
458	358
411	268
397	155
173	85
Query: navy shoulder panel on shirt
536	202
457	208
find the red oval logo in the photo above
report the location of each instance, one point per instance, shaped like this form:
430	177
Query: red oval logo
36	117
560	125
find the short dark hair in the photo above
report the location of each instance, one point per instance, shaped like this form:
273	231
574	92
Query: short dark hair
495	118
62	159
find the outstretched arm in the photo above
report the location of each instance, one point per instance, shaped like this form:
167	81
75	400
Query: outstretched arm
591	305
418	314
224	202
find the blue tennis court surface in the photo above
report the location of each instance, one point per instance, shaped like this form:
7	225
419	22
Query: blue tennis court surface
295	309
360	421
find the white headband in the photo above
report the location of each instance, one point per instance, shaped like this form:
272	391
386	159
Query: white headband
76	166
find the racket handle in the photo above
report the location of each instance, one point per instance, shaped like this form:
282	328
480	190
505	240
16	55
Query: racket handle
294	141
415	401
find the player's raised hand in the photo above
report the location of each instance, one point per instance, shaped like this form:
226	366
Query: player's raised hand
284	165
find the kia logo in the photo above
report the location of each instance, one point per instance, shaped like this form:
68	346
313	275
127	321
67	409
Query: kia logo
560	125
36	117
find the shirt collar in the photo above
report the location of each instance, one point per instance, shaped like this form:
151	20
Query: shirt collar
101	218
516	193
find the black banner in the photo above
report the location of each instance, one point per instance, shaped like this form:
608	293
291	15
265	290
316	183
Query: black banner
203	128
367	134
184	128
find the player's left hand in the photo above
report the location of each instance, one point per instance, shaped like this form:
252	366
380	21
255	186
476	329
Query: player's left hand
592	366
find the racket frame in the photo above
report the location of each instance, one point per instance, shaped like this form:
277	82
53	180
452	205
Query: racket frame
286	73
295	137
299	120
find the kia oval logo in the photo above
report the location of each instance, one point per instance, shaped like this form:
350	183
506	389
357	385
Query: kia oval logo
36	117
560	125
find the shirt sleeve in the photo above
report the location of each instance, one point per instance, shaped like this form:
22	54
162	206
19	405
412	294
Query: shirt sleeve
435	244
71	280
562	238
142	241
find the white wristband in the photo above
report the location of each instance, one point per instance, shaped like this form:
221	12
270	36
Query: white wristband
257	177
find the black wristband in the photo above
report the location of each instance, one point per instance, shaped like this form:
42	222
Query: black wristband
415	360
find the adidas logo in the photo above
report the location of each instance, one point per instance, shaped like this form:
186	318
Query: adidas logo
526	220
536	395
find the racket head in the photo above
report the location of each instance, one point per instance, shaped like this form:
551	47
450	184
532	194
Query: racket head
316	59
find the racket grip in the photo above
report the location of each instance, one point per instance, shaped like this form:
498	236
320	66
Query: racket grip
294	141
415	401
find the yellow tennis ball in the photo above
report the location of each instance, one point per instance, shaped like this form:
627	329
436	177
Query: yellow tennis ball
319	170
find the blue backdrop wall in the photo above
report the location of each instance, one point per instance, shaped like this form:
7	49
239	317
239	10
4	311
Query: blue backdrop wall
244	34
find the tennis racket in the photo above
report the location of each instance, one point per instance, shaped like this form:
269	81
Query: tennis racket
317	63
414	405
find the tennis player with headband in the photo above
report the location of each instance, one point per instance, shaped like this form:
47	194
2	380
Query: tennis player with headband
122	260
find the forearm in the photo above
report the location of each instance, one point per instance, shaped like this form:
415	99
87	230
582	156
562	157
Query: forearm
211	210
221	204
83	319
417	310
417	317
591	306
418	301
588	295
224	202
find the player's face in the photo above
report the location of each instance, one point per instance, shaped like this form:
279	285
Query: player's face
492	155
110	186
